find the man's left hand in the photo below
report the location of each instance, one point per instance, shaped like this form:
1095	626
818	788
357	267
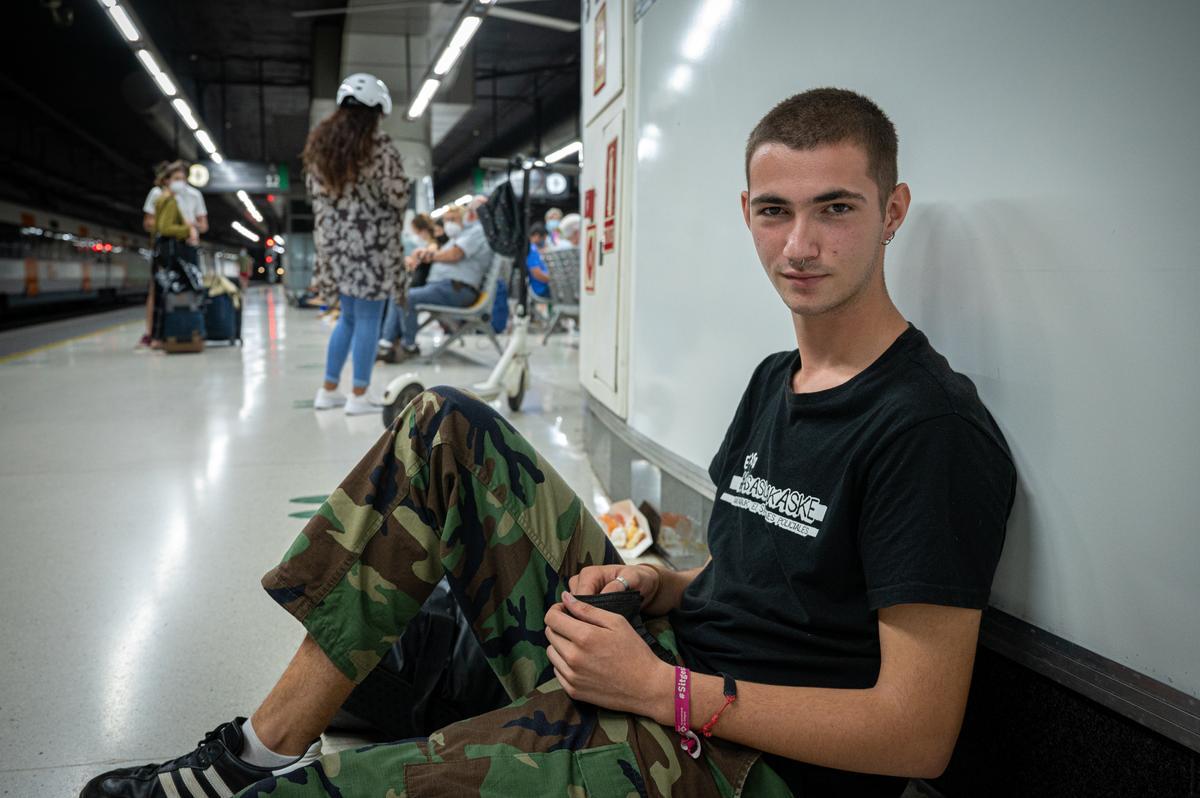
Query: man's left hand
598	658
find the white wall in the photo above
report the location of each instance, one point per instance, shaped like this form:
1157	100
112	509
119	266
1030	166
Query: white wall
1051	254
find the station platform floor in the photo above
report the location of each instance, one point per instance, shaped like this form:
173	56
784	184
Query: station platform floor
145	495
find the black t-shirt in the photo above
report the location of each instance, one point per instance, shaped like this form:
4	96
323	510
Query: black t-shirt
893	488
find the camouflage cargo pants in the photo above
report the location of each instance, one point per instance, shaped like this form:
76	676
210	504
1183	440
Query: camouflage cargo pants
453	490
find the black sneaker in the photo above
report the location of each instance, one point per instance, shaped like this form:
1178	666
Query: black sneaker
212	769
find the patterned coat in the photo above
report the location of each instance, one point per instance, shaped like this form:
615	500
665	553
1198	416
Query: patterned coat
358	235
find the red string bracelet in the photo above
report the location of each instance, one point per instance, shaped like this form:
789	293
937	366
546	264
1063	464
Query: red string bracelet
730	692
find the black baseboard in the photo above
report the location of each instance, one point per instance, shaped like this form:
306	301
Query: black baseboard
1026	735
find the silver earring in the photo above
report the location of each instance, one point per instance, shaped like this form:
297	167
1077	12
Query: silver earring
888	240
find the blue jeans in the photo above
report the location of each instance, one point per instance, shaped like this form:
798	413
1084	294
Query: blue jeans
442	292
355	335
391	322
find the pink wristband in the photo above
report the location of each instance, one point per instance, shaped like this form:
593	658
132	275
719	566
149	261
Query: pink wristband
688	740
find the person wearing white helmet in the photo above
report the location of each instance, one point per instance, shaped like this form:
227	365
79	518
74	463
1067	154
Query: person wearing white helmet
359	193
367	90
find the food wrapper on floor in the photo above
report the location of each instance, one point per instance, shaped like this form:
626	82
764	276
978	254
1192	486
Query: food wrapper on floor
627	528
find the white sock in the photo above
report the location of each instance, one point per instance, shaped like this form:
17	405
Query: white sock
257	754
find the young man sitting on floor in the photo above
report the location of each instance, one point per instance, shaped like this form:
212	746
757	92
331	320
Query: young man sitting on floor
862	496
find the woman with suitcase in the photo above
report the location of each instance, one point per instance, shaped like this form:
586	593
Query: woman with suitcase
175	238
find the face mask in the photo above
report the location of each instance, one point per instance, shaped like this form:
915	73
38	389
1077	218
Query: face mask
177	186
552	225
452	228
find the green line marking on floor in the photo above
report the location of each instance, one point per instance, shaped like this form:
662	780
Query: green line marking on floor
302	404
310	366
308	499
305	514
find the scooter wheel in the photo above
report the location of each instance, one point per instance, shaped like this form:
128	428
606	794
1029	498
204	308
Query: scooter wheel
393	409
515	399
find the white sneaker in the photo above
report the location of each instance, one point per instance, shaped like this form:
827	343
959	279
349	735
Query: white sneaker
361	406
328	399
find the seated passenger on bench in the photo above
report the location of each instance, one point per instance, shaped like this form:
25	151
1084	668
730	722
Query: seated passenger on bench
456	275
825	649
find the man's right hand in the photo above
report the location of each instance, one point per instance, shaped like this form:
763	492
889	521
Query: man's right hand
603	579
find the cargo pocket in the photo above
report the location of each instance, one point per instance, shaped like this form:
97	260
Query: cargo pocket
610	771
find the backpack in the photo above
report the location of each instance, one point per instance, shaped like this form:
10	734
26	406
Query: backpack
501	220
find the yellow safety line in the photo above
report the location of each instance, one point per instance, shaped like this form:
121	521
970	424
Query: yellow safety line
63	342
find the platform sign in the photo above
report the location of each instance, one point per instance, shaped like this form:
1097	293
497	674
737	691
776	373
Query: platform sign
589	205
589	265
228	176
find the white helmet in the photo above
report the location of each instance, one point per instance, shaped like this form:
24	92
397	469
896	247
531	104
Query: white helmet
366	89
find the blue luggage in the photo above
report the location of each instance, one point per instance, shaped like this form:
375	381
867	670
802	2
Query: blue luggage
222	319
183	330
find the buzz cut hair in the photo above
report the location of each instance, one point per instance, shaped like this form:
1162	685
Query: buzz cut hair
827	116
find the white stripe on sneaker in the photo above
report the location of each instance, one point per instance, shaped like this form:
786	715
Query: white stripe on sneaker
168	784
218	784
193	787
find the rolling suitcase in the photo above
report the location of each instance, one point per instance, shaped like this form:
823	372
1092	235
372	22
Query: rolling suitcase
223	319
223	312
183	330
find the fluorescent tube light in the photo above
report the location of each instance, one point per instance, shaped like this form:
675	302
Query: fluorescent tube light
124	23
279	239
458	43
440	212
421	102
185	113
241	228
216	158
464	199
446	62
160	77
243	196
466	29
206	141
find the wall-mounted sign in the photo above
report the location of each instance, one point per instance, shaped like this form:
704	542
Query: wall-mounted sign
600	50
589	205
589	263
228	176
542	185
610	196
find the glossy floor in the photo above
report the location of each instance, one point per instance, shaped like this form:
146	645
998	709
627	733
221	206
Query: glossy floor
144	495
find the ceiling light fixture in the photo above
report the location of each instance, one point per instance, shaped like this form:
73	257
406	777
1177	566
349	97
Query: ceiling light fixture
185	113
216	158
564	151
247	232
464	199
206	141
160	77
421	102
458	43
123	23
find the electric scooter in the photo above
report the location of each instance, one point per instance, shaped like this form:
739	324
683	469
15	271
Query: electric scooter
510	376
